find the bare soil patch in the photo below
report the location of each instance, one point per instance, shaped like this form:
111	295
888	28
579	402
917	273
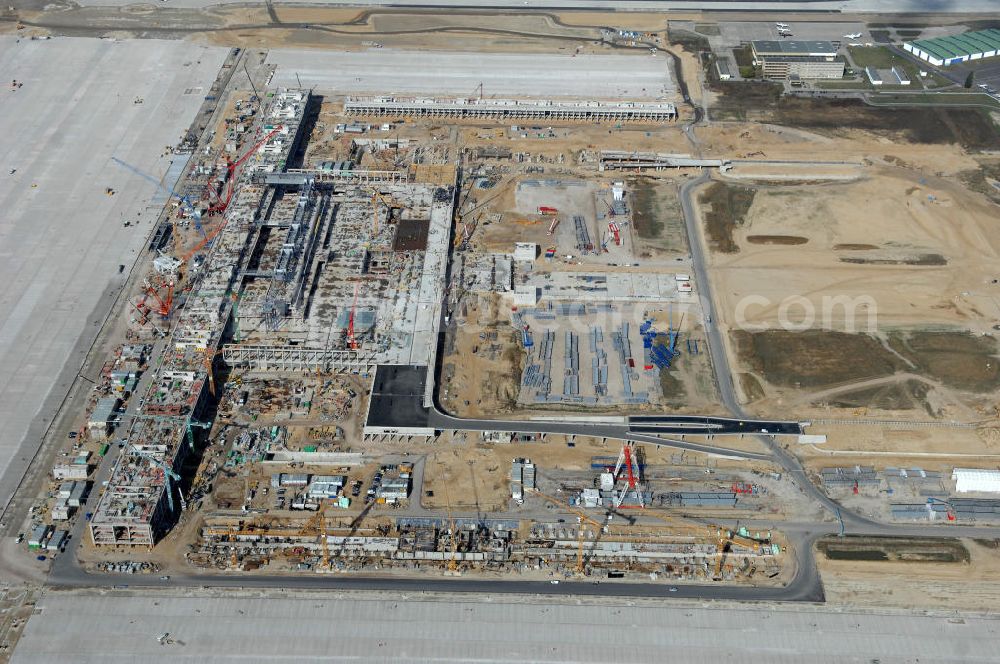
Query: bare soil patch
762	102
853	247
904	395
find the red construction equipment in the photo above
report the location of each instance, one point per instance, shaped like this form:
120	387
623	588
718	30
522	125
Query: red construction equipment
547	211
164	305
204	241
142	309
627	459
616	232
223	198
352	343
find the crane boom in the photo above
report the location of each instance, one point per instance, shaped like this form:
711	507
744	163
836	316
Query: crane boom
452	561
231	167
580	515
168	475
184	200
352	341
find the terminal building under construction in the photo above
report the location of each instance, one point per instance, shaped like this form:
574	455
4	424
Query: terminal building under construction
311	272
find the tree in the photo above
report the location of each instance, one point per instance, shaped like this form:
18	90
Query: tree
969	79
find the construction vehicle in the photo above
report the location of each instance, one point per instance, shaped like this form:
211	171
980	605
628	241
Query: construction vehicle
723	537
210	354
165	304
191	426
726	540
462	239
627	459
324	542
615	231
236	297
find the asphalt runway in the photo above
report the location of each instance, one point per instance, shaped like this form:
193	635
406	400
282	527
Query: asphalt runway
62	237
388	72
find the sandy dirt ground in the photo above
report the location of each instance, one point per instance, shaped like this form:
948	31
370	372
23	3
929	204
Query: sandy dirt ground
469	477
914	220
482	375
907	240
349	29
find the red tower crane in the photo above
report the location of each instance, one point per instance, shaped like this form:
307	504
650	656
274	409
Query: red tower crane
222	202
352	342
628	459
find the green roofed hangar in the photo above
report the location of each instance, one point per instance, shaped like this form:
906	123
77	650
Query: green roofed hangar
944	51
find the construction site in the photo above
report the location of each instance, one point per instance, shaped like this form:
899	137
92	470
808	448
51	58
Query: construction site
312	243
368	321
536	330
317	244
395	531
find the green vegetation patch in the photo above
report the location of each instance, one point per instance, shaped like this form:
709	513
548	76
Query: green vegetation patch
814	358
879	57
729	206
958	359
894	549
905	395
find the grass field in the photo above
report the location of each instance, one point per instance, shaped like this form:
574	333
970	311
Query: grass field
882	57
936	99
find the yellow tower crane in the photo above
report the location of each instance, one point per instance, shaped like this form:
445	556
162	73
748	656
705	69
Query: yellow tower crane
324	542
582	516
376	198
453	561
